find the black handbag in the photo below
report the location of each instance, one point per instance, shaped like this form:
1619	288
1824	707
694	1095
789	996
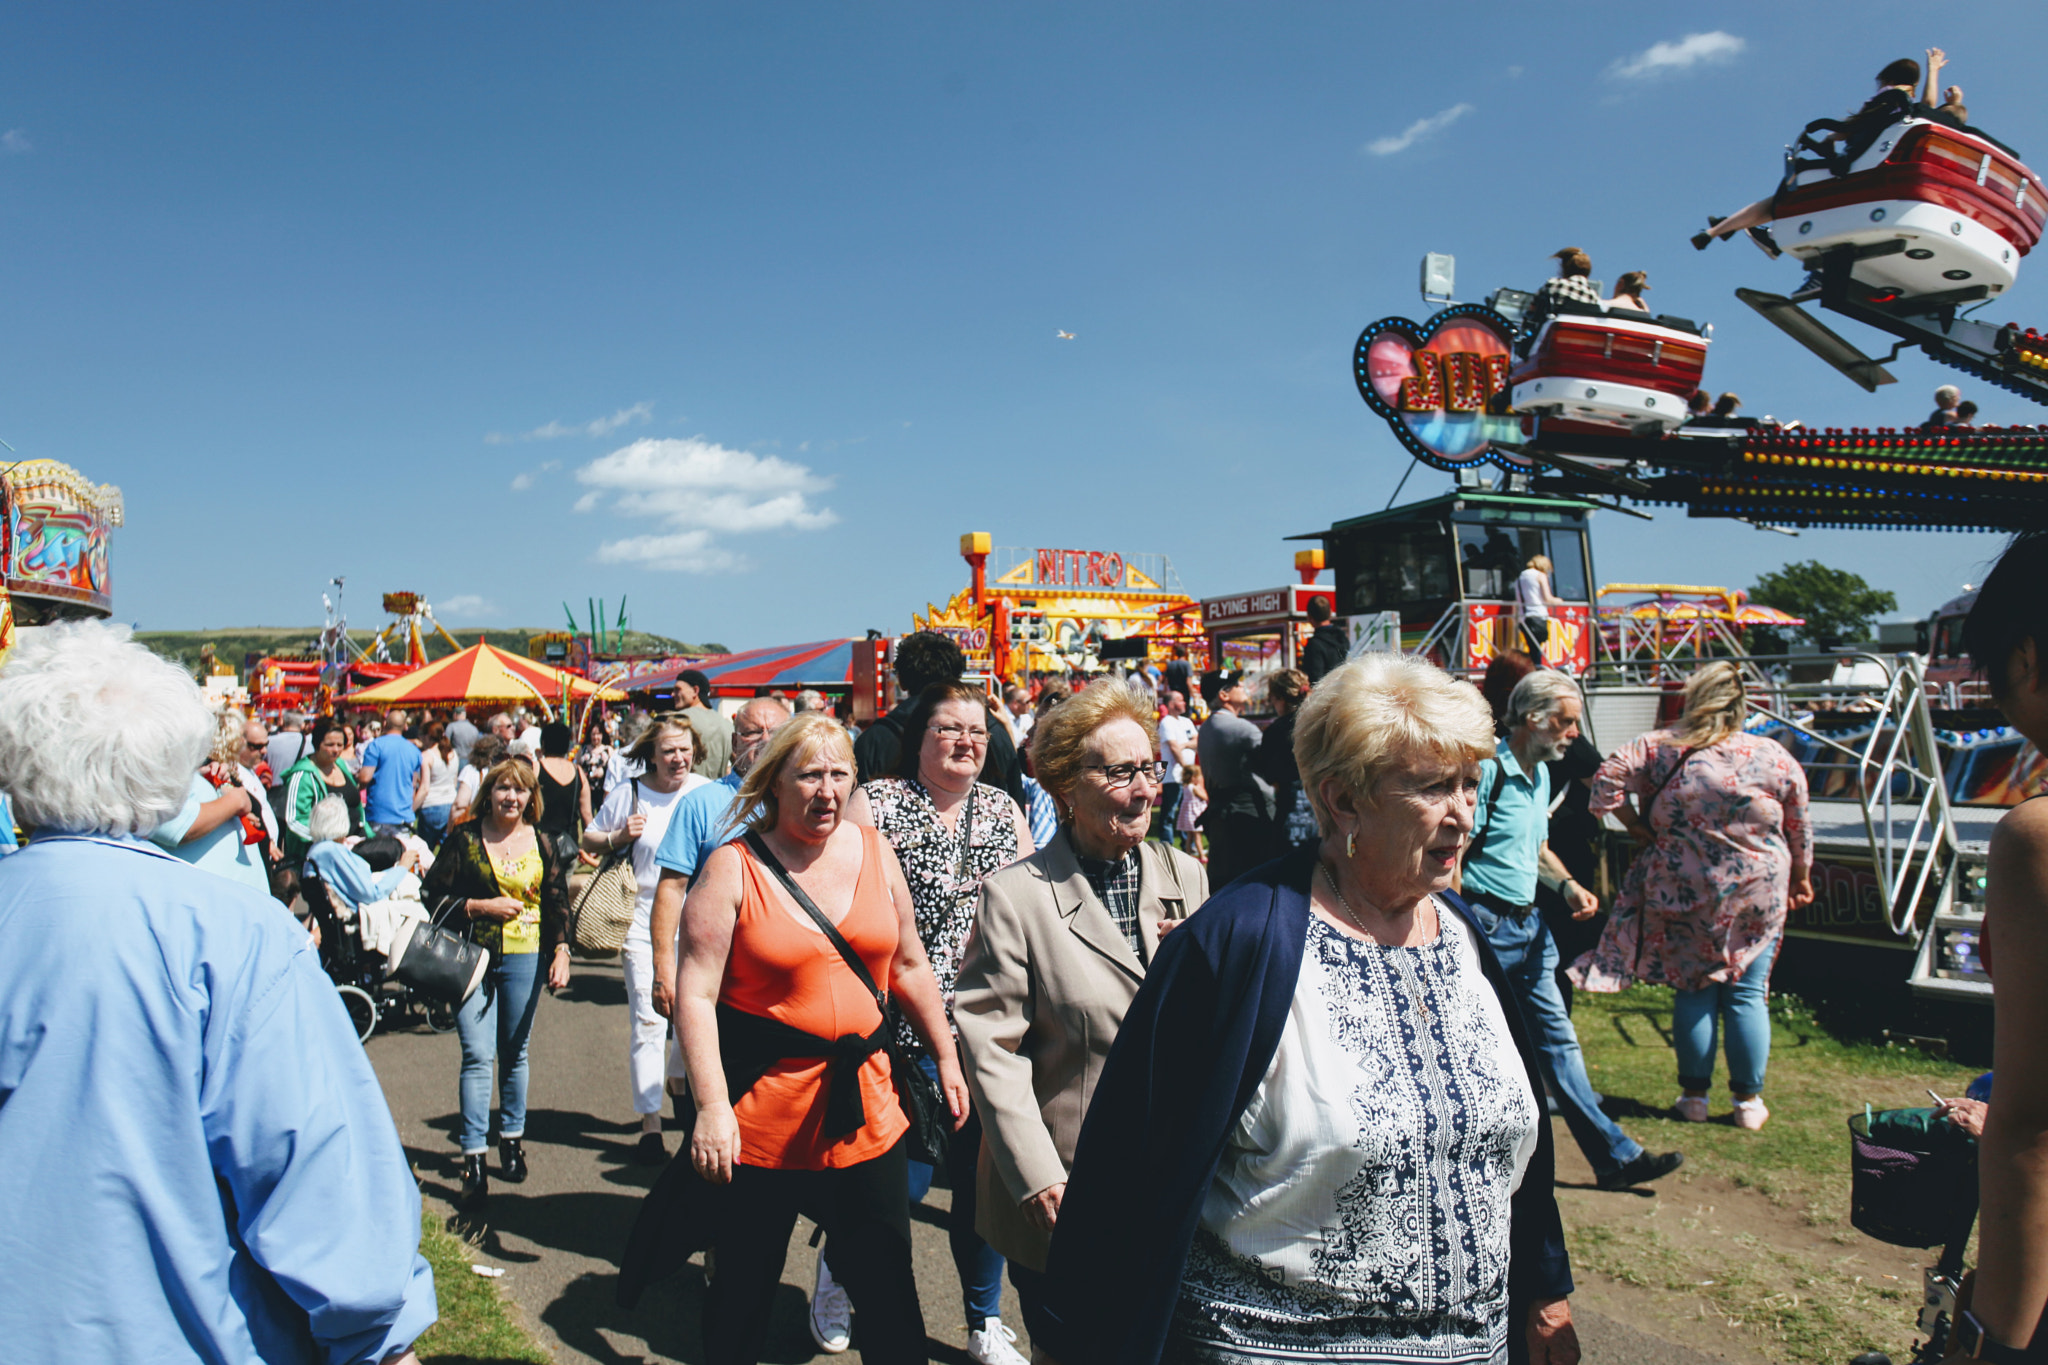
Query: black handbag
931	1120
438	962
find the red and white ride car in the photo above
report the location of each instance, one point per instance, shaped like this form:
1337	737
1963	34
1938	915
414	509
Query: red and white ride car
1611	368
1964	207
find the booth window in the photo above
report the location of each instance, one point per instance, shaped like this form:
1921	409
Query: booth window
1397	567
1491	554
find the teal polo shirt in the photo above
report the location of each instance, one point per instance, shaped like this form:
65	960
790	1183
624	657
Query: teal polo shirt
1517	823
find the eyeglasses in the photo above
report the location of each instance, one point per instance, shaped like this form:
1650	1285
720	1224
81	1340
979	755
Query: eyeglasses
953	734
1117	776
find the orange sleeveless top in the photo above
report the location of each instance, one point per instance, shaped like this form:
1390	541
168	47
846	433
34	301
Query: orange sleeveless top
782	966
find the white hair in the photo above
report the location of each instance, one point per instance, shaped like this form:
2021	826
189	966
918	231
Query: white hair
1947	394
97	734
328	822
1538	695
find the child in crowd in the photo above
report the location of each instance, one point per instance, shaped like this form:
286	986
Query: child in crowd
1194	799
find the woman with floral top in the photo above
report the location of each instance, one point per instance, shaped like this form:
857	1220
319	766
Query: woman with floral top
1727	852
950	831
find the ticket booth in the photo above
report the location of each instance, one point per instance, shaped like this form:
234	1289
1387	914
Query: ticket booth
1448	566
1249	631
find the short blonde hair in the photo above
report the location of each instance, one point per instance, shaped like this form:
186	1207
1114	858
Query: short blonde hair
229	725
1368	717
793	741
1715	703
642	750
1059	738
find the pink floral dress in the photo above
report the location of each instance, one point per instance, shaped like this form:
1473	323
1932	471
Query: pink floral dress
1709	893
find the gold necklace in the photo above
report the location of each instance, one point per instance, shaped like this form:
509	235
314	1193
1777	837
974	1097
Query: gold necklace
1421	1005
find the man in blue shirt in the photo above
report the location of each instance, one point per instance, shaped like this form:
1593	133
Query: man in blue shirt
393	776
196	1160
1508	855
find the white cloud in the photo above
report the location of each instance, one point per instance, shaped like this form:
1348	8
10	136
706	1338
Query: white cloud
14	142
638	415
527	478
1415	132
467	604
1694	49
698	491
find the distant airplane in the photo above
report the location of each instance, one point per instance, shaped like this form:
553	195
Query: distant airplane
1064	336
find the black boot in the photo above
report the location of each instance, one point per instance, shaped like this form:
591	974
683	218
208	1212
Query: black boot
476	1181
511	1161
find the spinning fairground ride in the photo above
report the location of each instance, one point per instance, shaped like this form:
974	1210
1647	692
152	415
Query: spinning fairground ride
1570	408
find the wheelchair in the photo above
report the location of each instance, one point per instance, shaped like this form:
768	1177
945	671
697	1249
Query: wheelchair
370	994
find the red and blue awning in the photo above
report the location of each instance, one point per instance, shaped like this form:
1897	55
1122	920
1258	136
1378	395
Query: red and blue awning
823	664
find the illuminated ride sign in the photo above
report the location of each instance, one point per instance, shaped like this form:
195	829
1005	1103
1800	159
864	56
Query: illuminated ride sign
1443	385
1080	568
54	529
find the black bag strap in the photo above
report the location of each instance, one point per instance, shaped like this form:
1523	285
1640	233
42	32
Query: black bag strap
767	859
1500	776
1651	803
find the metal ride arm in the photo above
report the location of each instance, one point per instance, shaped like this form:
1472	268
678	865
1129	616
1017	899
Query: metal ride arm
1928	321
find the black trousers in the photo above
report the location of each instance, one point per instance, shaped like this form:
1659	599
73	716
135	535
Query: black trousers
865	1211
1238	842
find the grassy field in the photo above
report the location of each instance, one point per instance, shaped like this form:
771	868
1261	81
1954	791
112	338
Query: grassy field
477	1326
1752	1238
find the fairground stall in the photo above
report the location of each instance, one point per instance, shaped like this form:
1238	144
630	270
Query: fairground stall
1052	610
1266	629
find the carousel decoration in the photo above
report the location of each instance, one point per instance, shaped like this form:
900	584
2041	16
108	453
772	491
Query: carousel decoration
54	528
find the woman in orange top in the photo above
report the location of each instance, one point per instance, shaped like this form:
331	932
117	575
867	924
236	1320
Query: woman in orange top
796	1109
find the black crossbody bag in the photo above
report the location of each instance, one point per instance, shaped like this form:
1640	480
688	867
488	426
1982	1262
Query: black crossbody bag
931	1121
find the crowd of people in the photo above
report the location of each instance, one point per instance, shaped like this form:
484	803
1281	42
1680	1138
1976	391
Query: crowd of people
1257	1082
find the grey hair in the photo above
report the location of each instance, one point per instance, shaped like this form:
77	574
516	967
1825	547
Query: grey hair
810	699
329	821
97	734
1537	696
1947	394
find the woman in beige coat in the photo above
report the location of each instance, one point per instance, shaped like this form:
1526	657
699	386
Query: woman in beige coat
1061	941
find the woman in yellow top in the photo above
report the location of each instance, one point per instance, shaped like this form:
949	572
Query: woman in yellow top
513	888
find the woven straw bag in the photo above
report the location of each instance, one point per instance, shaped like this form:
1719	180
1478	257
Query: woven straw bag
602	911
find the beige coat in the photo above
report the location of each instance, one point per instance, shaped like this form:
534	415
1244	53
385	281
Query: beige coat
1043	987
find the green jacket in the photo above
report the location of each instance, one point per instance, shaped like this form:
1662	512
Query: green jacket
305	786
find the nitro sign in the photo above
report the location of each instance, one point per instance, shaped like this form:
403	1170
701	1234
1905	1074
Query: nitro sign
1080	569
1442	386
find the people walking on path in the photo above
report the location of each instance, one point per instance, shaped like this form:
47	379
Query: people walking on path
1177	736
1508	856
394	781
1726	851
1327	644
921	660
693	698
1239	820
636	815
1062	939
761	1008
949	831
442	761
196	1160
322	773
564	790
512	886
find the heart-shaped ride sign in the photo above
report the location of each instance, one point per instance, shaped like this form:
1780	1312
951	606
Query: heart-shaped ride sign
1443	386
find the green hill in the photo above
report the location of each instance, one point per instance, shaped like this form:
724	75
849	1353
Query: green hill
231	644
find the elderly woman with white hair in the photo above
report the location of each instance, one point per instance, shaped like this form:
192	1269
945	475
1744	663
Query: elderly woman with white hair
1319	1131
150	1216
1726	854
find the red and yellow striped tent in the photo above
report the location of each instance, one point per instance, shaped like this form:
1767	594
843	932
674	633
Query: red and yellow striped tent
482	673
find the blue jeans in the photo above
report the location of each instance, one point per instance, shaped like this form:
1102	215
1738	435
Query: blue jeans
494	1025
980	1265
434	824
1528	958
1696	1018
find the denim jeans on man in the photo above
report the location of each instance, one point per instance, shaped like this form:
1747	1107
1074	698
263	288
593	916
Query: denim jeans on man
1528	957
494	1025
1696	1017
980	1265
434	824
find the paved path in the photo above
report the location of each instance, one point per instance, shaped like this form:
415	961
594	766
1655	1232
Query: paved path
557	1235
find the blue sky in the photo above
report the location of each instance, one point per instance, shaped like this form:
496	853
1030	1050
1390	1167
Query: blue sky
747	312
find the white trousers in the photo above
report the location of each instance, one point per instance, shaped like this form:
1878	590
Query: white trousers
647	1046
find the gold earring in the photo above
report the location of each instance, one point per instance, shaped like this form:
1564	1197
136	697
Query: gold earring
1351	844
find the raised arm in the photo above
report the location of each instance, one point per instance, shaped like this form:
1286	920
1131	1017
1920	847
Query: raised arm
1936	59
709	914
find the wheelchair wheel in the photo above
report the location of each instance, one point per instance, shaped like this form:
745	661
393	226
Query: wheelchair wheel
440	1016
362	1010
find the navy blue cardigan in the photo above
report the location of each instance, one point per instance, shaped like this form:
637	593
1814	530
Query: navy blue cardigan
1191	1052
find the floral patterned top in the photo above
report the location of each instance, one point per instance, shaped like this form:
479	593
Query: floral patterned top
1708	894
944	877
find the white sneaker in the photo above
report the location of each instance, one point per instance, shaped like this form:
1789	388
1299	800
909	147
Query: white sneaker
831	1311
1750	1113
1691	1108
994	1344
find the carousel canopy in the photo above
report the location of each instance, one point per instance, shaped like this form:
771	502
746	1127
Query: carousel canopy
482	673
821	664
